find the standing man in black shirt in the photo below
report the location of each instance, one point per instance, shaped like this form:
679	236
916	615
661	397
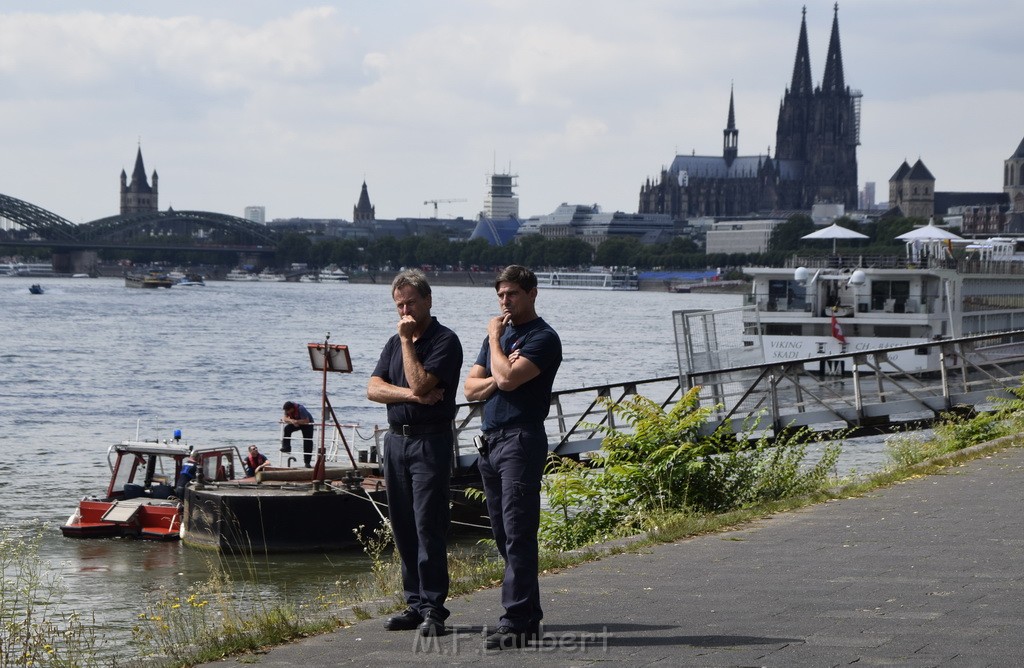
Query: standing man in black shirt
417	376
514	373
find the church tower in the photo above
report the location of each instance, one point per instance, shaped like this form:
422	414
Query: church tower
832	146
820	126
138	196
363	211
795	110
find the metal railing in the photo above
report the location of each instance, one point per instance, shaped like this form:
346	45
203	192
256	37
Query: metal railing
866	389
858	391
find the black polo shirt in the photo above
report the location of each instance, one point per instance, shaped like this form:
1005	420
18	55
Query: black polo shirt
530	402
440	352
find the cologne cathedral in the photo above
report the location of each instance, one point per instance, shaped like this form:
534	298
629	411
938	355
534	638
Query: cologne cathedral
815	153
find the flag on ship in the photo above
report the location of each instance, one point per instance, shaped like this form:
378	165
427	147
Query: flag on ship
837	331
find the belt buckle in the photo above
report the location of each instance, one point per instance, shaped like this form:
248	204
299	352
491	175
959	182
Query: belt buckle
406	430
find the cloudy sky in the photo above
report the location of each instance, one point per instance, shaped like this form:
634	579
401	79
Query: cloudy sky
292	104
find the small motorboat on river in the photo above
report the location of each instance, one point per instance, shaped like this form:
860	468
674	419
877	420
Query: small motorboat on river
36	289
143	498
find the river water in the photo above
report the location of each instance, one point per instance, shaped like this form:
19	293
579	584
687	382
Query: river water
90	362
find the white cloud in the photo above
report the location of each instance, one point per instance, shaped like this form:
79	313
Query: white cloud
271	102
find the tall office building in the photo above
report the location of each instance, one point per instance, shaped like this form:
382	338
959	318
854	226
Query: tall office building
256	214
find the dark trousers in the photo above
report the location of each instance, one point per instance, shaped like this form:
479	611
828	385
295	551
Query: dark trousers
511	473
307	440
417	476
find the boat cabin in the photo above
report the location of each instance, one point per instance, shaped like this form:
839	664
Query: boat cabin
152	469
143	498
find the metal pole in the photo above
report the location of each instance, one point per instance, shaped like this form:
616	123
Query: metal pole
318	470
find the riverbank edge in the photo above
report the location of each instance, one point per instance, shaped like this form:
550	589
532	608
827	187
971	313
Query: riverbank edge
472	279
674	529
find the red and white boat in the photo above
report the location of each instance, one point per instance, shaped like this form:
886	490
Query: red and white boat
144	496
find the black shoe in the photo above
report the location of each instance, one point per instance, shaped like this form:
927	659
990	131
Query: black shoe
432	625
505	637
407	620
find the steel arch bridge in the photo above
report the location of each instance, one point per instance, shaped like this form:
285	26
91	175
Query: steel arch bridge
196	228
36	220
204	227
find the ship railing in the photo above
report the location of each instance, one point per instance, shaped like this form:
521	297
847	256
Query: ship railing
988	267
871	262
865	304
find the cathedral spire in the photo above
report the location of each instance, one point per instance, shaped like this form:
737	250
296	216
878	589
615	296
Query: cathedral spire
731	123
834	82
730	138
802	84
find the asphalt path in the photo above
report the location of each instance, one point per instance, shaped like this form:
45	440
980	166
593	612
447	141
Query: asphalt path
927	572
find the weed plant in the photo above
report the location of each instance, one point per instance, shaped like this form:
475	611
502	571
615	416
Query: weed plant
34	628
955	431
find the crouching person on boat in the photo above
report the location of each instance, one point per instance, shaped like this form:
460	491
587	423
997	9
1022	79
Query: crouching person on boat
297	418
417	377
189	470
254	461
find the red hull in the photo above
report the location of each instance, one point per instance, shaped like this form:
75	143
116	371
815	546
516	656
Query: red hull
154	520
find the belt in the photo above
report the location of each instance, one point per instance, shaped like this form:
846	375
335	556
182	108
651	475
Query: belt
513	426
420	429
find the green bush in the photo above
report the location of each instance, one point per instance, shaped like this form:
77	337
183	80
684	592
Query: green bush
663	464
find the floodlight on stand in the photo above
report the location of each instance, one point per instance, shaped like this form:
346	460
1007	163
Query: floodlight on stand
326	357
329	357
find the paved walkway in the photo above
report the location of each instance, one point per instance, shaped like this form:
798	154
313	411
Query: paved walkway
929	572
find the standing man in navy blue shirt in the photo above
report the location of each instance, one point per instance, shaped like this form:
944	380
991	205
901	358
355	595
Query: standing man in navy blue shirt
514	373
417	376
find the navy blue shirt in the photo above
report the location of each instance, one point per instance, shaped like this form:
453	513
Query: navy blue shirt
303	414
530	402
440	352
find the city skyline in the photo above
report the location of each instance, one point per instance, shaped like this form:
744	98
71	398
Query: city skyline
292	107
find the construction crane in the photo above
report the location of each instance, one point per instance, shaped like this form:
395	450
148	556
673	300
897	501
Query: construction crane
435	202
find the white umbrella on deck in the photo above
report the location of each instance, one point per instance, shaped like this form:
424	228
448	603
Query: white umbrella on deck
929	233
930	239
834	232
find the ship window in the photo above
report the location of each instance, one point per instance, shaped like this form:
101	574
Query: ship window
886	294
783	329
786	295
896	331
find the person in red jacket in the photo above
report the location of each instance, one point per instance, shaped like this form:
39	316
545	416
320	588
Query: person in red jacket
254	461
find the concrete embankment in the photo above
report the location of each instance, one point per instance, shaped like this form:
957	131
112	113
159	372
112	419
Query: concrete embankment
924	573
